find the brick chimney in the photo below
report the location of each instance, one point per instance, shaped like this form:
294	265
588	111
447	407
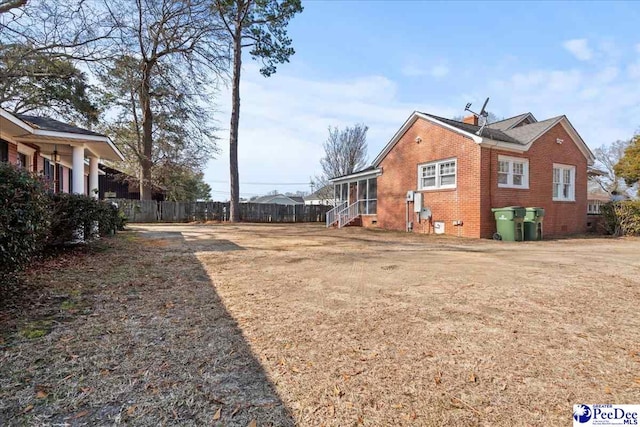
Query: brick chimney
471	120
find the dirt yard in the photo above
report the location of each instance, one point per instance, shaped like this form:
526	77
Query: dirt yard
297	324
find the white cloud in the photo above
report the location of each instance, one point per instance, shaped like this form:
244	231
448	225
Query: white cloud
579	48
600	102
411	70
284	121
284	118
439	71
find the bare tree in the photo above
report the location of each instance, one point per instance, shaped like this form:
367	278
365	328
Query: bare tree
262	26
41	45
70	29
607	157
345	152
169	52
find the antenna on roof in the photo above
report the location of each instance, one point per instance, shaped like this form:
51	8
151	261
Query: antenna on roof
484	114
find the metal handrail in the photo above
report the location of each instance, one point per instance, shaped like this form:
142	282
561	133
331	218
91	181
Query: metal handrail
348	214
332	215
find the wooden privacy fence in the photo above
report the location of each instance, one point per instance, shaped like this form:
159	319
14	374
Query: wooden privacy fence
152	211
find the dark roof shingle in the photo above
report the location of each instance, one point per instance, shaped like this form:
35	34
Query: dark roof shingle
527	133
488	132
46	123
510	122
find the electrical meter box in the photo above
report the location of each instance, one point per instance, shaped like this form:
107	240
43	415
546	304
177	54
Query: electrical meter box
409	196
417	202
425	213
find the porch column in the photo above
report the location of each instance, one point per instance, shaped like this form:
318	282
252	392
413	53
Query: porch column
93	177
78	169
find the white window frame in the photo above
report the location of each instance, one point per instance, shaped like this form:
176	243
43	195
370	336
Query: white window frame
572	177
593	207
525	172
28	152
438	185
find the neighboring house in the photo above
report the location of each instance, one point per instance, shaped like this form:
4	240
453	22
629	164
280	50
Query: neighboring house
115	184
443	175
595	198
66	156
323	196
279	199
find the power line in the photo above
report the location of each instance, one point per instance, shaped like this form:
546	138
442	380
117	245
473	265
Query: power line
260	183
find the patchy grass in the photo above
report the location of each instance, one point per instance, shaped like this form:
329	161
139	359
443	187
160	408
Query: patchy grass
369	327
295	324
126	331
36	329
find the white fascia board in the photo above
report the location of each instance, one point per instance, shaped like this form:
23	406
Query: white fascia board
69	135
582	146
113	146
476	138
506	146
25	149
16	121
81	138
354	177
568	127
575	137
409	122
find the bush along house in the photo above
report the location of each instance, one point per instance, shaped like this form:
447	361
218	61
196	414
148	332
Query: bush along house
438	175
66	156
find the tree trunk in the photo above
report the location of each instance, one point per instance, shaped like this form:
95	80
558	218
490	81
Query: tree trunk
147	135
234	211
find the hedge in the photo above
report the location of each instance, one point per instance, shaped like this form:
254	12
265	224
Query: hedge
622	218
24	217
31	218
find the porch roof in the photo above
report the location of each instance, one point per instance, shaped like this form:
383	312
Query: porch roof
369	172
47	133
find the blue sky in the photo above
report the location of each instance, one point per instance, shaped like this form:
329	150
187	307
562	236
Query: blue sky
374	62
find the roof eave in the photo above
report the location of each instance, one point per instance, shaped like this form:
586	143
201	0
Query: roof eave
346	178
408	123
573	133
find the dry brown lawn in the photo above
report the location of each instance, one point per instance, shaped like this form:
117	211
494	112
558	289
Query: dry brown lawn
296	324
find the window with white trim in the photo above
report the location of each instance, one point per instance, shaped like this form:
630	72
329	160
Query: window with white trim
564	183
593	207
513	172
437	175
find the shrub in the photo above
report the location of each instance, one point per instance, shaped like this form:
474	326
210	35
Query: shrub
76	216
24	217
622	218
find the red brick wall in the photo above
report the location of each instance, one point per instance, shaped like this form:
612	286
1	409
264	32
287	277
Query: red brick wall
400	174
39	162
560	217
13	153
369	220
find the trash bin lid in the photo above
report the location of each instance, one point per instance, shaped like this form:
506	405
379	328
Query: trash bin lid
538	211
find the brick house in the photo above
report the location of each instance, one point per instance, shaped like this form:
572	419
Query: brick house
64	155
442	175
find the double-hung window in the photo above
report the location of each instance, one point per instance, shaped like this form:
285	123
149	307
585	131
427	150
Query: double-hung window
564	183
437	175
513	172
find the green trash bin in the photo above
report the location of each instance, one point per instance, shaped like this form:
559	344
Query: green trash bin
509	223
533	223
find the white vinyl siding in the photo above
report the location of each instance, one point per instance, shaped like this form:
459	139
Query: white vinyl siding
437	175
513	172
564	183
